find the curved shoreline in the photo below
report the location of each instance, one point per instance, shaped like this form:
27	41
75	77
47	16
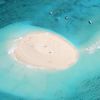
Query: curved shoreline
44	50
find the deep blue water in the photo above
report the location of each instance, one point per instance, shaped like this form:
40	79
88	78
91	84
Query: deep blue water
76	20
7	96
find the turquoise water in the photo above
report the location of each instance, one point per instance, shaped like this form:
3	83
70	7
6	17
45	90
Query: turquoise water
81	28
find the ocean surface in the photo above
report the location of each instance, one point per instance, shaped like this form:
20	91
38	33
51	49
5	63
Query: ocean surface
78	21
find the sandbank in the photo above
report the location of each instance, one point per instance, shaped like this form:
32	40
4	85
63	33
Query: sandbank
45	50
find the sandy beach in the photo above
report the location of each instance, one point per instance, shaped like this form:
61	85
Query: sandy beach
45	50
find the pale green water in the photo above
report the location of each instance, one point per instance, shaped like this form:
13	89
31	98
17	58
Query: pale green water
29	83
82	80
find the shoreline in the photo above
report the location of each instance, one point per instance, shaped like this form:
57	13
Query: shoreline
44	50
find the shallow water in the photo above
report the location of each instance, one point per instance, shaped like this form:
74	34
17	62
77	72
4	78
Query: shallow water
81	28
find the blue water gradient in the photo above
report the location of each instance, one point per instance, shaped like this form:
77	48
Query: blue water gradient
20	80
81	27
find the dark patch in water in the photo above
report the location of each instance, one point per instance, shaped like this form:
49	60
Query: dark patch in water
7	96
88	90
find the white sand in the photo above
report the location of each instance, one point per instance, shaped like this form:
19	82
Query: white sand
44	50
